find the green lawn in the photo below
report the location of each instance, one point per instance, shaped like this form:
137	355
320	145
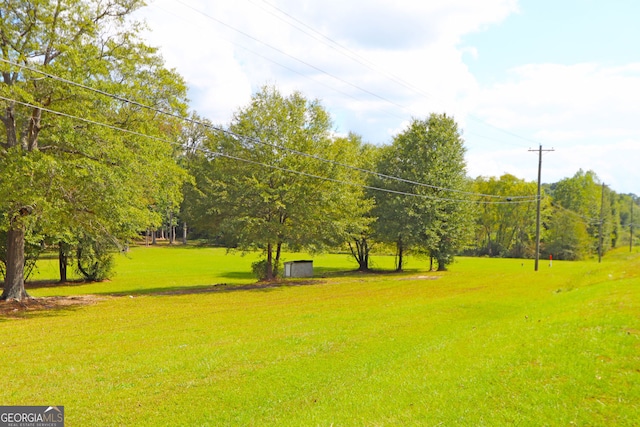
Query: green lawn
489	343
161	268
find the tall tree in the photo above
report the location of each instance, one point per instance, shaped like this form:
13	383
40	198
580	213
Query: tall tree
58	173
198	208
629	217
429	156
506	228
358	221
400	219
567	237
583	195
262	193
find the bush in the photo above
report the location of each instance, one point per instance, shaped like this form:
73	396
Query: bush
94	260
259	269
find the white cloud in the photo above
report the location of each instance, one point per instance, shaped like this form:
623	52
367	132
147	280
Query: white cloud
499	162
241	45
616	163
400	24
227	49
587	112
580	97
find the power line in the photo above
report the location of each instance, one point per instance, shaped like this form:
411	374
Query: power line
212	153
348	83
255	140
354	56
585	220
93	122
333	88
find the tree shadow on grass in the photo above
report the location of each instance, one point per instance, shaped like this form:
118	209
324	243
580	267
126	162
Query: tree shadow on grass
177	290
54	306
51	306
44	306
237	275
38	284
226	288
317	279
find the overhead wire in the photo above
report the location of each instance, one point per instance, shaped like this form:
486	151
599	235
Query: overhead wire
306	76
584	219
256	140
354	56
392	77
333	76
214	153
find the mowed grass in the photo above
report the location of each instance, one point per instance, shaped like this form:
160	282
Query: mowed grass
163	268
491	342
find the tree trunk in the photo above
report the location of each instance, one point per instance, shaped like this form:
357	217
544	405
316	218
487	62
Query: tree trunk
14	280
172	230
364	255
400	249
277	260
10	124
184	233
442	266
33	130
269	262
361	253
63	261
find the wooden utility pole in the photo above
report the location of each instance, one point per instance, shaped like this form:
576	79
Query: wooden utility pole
539	150
633	202
601	237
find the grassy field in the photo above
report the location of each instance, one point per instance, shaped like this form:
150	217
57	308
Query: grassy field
491	342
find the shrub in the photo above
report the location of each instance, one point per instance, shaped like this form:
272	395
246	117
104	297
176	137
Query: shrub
94	259
259	269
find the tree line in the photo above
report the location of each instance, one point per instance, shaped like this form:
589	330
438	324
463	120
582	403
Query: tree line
278	177
580	217
99	149
253	189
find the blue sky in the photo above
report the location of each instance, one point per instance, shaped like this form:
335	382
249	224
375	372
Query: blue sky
599	37
562	32
515	74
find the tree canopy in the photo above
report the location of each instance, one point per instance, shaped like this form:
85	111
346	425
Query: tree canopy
505	229
429	157
89	157
274	178
68	168
584	212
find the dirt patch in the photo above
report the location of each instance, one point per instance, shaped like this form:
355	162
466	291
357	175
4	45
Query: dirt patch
421	278
17	309
223	287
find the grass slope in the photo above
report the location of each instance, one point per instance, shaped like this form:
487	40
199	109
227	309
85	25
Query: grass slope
489	343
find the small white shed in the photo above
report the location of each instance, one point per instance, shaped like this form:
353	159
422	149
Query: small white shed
303	268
